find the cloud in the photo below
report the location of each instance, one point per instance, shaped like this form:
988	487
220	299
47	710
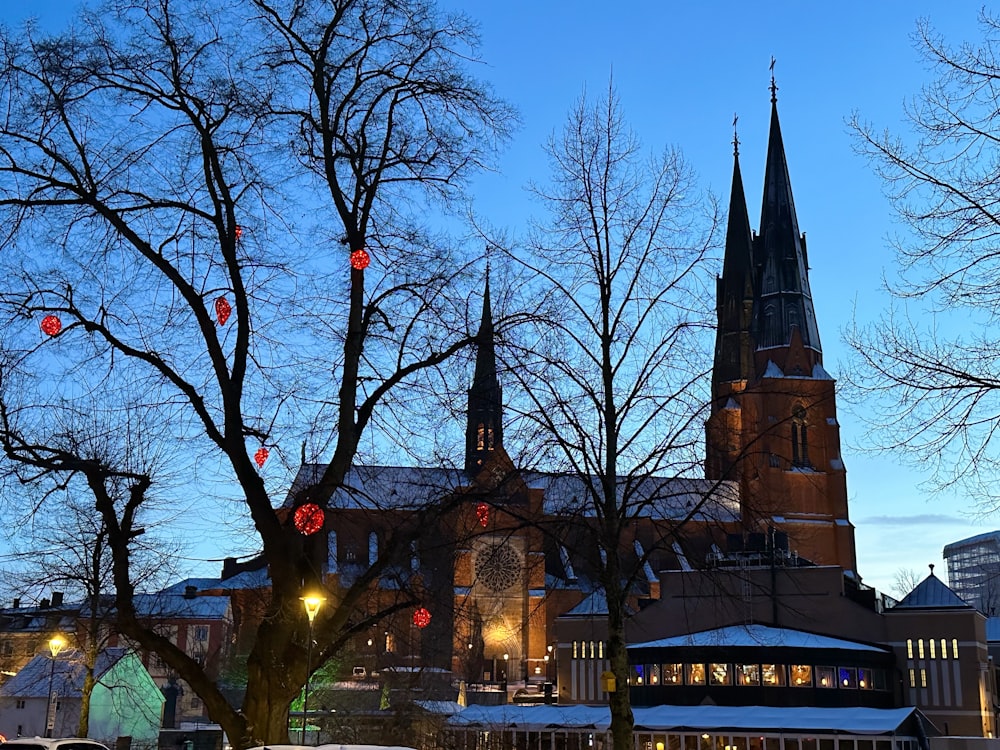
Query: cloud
922	519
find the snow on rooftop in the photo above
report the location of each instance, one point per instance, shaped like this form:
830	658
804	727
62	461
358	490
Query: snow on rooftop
867	721
756	636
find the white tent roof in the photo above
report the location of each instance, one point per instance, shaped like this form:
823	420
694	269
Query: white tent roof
679	718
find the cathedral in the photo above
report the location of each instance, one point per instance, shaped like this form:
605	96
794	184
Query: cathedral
755	600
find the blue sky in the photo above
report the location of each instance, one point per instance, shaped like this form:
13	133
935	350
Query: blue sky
682	70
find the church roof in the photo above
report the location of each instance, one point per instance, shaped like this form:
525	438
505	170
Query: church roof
412	487
932	593
757	635
733	348
783	301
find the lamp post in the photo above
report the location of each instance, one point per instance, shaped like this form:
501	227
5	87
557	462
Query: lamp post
56	644
312	603
503	678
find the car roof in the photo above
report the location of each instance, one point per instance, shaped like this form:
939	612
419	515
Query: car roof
57	743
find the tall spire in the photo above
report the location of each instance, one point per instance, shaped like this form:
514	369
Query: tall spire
784	301
734	291
484	430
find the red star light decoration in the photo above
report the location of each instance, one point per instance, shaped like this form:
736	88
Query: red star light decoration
261	457
308	518
51	325
222	310
421	618
238	232
483	514
360	259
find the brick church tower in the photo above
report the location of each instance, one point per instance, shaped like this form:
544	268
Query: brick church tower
773	424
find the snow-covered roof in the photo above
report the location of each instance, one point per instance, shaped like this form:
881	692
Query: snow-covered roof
657	497
867	721
409	487
757	635
384	487
66	672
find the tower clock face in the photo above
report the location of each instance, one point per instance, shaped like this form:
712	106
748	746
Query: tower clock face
498	567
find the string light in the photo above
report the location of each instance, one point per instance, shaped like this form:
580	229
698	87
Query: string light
222	310
261	457
51	325
360	259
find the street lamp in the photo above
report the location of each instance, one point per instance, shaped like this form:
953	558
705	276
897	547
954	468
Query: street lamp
312	603
56	644
503	679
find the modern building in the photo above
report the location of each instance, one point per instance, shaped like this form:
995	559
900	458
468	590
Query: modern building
974	571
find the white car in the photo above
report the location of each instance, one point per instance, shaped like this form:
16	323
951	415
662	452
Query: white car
52	743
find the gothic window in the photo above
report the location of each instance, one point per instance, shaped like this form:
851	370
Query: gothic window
800	437
481	437
498	567
489	438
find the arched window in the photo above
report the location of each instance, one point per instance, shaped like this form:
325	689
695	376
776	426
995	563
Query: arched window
800	437
481	437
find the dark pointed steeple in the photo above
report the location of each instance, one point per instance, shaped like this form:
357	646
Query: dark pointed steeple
484	431
784	301
734	293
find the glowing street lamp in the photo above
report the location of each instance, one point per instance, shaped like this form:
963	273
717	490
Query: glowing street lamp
56	644
312	603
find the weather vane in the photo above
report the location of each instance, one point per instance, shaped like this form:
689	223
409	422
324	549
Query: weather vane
774	86
736	137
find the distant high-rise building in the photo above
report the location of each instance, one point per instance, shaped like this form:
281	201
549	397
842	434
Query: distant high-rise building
974	570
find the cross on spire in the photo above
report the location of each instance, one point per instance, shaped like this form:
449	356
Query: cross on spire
774	86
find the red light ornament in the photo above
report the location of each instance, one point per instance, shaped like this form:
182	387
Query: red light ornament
238	231
421	618
222	310
51	325
360	259
483	514
308	518
261	457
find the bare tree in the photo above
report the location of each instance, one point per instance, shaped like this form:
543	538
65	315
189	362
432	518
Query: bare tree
616	382
904	580
929	365
182	191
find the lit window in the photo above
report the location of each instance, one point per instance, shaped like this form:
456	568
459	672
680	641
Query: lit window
909	648
593	650
865	679
954	648
913	678
480	437
920	648
801	675
600	649
747	674
653	670
944	649
721	674
826	677
695	674
923	678
847	677
932	649
673	674
637	673
576	652
773	674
